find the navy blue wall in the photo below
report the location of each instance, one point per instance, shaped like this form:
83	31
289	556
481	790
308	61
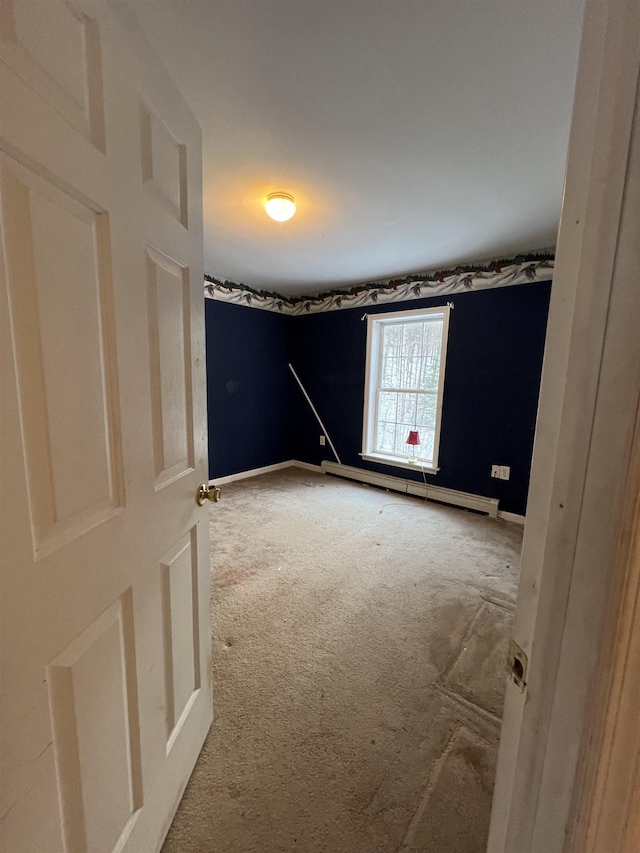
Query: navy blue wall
249	388
258	416
492	379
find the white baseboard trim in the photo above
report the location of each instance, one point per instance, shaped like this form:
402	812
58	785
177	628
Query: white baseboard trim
411	487
307	466
511	516
255	472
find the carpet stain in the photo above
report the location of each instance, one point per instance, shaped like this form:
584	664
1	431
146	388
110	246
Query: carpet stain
355	689
478	672
444	648
475	757
454	812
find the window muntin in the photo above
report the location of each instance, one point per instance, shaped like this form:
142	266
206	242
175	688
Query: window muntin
406	353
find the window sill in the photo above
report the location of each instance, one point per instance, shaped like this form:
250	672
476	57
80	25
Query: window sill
398	463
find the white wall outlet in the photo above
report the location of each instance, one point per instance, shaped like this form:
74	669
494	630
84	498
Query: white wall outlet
495	471
505	472
323	440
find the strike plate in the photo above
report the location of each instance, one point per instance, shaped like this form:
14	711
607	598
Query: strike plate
517	665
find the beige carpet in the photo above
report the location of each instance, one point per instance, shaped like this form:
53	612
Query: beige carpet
358	672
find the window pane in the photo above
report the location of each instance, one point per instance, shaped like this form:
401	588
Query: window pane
430	373
386	436
412	339
431	356
411	372
425	450
426	410
402	433
412	344
387	406
391	368
432	337
405	372
392	341
406	408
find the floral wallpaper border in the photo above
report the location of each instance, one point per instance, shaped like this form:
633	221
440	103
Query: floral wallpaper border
518	270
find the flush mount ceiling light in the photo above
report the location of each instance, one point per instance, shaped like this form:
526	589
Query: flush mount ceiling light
280	206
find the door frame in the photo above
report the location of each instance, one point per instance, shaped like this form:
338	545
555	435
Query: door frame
606	817
582	454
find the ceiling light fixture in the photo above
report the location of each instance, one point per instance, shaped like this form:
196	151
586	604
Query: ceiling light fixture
280	206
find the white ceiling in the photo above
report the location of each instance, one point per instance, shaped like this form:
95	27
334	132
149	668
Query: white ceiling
414	134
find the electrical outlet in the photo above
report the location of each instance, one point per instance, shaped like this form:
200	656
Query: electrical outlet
505	472
495	471
323	440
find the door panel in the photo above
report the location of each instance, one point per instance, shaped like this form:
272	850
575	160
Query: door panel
170	351
94	711
181	631
55	48
58	255
105	605
164	165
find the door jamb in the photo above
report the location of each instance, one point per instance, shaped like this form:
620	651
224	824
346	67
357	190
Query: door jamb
569	506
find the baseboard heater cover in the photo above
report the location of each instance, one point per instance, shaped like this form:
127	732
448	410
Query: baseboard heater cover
410	487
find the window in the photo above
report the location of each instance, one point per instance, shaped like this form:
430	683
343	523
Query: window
406	353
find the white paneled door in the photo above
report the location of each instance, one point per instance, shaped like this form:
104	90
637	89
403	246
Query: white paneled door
105	584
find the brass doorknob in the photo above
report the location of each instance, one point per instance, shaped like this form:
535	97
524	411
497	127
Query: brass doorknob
207	493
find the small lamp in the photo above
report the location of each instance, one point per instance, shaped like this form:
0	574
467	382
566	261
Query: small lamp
413	440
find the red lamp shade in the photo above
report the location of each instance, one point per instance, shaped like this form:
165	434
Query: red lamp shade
413	437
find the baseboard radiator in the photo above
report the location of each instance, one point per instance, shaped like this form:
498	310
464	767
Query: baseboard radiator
411	487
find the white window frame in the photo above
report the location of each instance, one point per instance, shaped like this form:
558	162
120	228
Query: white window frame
375	326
